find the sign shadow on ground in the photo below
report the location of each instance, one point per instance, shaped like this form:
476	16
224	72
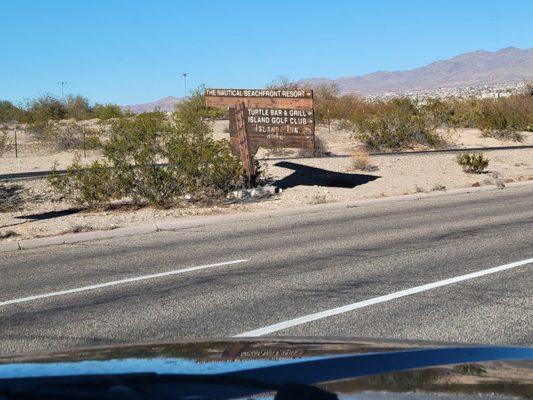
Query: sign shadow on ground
304	175
50	214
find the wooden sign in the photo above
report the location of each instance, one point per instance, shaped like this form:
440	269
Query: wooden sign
275	128
280	121
272	118
257	98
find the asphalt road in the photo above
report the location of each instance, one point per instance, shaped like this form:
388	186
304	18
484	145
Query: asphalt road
282	268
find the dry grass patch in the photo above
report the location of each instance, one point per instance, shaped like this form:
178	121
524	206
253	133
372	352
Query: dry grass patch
360	161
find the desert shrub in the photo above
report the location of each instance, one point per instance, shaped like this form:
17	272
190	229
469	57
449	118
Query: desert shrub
393	125
441	113
5	143
46	108
199	167
62	135
528	90
93	142
503	134
505	118
11	197
326	103
360	161
501	118
9	112
472	162
106	111
90	186
208	165
283	82
320	149
77	107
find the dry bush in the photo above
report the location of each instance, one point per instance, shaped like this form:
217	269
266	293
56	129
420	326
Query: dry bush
5	142
10	112
505	118
528	91
11	198
66	135
501	118
395	125
318	199
474	163
320	149
503	134
360	161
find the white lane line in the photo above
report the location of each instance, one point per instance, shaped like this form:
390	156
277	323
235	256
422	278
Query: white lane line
381	299
119	282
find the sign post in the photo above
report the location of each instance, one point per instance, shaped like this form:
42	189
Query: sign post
244	149
273	118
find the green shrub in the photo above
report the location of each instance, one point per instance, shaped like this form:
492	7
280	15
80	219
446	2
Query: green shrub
46	108
77	107
472	162
505	118
9	112
106	111
394	125
93	142
199	167
90	186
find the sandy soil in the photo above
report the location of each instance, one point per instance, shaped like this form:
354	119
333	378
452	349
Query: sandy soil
305	181
32	156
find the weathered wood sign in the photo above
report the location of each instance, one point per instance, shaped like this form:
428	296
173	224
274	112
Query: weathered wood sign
270	118
280	127
257	98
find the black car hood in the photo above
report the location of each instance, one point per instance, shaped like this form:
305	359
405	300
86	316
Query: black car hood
348	366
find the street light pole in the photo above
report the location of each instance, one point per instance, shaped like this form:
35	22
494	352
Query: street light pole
185	83
62	84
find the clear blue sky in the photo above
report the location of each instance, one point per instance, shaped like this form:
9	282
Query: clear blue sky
133	51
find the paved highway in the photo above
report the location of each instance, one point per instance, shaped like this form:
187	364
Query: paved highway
455	268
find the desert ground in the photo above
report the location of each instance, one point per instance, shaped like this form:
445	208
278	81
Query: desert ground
38	211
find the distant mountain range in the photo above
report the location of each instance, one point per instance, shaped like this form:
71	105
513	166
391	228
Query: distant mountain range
164	104
476	68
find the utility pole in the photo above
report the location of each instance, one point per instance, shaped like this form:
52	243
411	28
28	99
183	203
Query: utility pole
62	84
185	83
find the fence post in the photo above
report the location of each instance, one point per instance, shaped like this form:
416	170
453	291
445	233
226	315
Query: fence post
16	144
